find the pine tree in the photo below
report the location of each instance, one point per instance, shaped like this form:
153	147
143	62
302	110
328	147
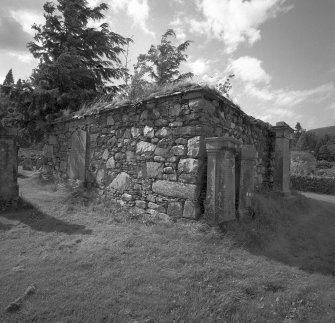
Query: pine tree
9	79
76	61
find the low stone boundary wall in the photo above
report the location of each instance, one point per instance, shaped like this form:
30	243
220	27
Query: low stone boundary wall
322	185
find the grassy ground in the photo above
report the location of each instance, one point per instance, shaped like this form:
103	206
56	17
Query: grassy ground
96	264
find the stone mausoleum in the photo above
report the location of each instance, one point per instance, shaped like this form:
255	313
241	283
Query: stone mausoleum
9	190
176	155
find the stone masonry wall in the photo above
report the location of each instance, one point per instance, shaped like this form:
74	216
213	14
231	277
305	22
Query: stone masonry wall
151	155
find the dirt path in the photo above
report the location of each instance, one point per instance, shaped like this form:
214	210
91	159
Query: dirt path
319	197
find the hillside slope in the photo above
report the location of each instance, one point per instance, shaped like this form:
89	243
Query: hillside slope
320	132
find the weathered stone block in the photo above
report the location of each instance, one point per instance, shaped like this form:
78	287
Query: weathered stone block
191	210
189	178
121	182
162	151
175	124
135	132
110	163
105	154
181	141
178	150
170	177
141	204
188	165
100	176
195	147
174	189
130	156
159	159
127	197
145	147
175	209
168	170
154	170
110	121
156	207
163	132
148	132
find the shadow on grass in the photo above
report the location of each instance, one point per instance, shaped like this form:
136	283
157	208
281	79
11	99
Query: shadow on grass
297	231
39	221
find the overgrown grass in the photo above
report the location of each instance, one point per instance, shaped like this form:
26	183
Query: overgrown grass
96	263
294	230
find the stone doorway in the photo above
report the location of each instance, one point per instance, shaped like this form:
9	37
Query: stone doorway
77	156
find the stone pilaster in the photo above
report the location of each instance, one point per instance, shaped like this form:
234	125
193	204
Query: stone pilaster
282	161
220	199
8	165
247	178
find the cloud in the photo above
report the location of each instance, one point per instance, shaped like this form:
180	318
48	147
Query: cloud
199	66
235	21
290	98
12	36
23	57
177	26
248	69
26	19
138	10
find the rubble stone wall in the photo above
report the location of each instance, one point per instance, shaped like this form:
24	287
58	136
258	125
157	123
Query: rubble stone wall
151	155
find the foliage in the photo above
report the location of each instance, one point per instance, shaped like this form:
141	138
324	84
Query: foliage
14	106
302	163
225	87
324	164
161	65
297	134
307	141
76	61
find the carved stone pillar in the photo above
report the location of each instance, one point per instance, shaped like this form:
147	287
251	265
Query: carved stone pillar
247	178
220	199
282	161
9	189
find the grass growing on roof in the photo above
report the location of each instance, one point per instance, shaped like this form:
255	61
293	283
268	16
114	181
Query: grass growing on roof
106	102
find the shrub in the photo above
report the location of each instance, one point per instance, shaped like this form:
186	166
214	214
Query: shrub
302	163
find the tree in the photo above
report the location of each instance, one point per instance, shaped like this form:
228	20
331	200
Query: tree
297	133
298	128
76	61
162	62
9	79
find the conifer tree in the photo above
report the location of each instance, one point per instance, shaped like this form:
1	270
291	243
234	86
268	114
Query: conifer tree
76	61
9	79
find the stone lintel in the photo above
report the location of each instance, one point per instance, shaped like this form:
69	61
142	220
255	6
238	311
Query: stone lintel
216	144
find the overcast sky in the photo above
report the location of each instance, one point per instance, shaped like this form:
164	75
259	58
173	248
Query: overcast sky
281	51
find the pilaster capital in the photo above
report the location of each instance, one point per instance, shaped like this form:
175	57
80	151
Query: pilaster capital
217	144
283	130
